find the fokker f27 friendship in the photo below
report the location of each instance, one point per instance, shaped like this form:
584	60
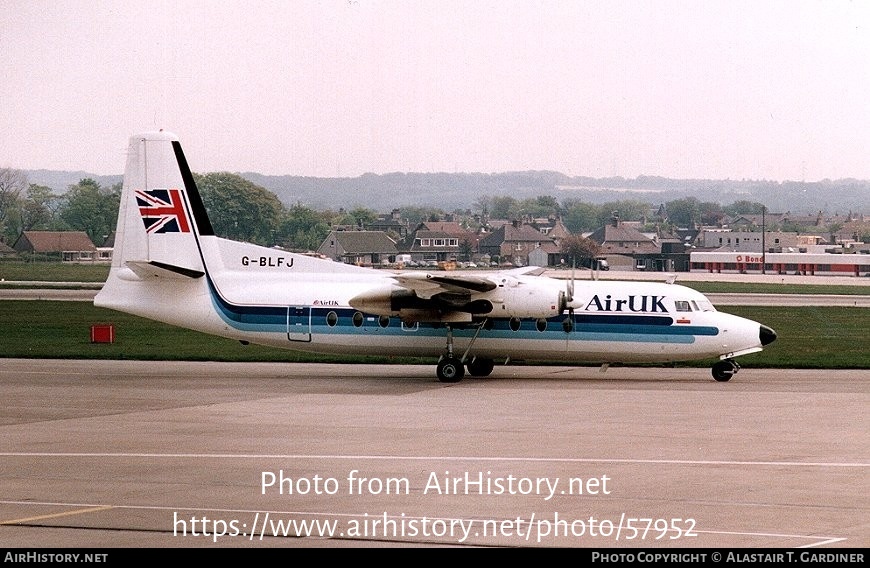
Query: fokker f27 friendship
170	266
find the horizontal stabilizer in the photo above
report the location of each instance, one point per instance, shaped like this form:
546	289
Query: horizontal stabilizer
153	269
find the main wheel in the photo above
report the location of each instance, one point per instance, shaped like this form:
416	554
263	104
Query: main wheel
479	367
450	370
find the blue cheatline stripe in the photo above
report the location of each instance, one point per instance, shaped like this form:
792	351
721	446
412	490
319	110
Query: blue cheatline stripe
266	319
587	327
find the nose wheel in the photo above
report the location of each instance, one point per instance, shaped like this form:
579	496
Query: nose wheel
450	368
725	369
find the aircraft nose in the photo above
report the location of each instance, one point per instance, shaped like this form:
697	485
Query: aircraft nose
766	335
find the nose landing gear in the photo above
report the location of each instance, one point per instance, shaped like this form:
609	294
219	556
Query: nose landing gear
725	369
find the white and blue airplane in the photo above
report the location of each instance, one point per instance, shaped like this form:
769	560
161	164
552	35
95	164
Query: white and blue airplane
170	266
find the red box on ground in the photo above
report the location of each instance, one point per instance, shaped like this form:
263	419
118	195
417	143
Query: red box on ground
103	333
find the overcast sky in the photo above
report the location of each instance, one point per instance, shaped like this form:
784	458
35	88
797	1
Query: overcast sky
685	89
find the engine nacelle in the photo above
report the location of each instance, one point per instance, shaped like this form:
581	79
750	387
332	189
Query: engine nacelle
512	300
398	301
525	301
384	301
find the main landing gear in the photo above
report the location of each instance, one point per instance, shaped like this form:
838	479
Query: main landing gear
725	369
451	369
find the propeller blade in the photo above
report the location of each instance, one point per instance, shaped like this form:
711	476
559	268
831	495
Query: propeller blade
571	282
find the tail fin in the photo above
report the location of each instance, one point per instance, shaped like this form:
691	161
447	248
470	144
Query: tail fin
169	265
160	221
161	212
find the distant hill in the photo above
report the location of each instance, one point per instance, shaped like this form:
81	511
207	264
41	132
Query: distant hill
61	181
383	192
461	191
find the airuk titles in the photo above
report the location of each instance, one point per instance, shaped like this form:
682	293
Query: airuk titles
267	261
630	304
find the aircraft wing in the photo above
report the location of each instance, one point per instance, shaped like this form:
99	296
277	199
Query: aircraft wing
427	285
530	270
458	297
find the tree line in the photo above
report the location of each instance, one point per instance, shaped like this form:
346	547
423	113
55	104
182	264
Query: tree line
242	210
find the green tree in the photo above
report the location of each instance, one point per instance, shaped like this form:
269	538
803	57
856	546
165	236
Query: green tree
12	184
500	207
418	214
744	207
466	249
358	217
711	213
534	207
684	212
546	206
579	251
303	228
483	205
38	208
89	207
239	209
580	217
626	209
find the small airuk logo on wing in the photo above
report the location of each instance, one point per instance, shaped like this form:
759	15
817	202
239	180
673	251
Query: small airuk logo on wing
162	211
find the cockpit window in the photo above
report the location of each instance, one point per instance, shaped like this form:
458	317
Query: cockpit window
706	306
682	306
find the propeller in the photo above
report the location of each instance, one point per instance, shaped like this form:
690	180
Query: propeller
567	296
570	286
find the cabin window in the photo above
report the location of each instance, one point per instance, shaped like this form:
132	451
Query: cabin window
357	319
514	324
383	321
682	306
331	319
541	324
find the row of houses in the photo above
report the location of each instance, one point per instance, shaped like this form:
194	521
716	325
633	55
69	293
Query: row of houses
623	244
538	243
505	243
432	242
68	246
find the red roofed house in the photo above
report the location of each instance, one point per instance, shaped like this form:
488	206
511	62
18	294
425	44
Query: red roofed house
69	246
